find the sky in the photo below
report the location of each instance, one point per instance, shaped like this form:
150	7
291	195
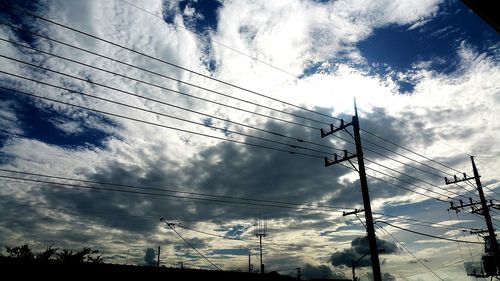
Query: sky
208	113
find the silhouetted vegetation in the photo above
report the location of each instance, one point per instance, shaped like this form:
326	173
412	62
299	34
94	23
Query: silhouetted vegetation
24	252
22	261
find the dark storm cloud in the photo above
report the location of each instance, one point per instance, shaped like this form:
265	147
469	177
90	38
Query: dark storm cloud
320	272
44	226
360	247
150	257
226	169
412	131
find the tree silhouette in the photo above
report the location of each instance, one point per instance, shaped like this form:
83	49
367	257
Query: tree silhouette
47	254
85	255
67	256
20	252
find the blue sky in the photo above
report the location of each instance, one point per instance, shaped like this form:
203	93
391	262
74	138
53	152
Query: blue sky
426	76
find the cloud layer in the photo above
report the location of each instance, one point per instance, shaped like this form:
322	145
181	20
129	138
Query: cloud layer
445	116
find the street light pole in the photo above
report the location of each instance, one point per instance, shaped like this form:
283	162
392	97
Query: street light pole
354	278
354	264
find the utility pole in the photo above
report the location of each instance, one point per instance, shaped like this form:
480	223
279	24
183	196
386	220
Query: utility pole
158	261
260	232
370	229
298	273
483	210
250	266
261	264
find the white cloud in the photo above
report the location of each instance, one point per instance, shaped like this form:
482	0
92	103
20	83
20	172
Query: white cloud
287	35
70	128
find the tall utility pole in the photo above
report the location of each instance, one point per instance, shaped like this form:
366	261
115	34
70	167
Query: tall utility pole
370	229
261	264
158	261
483	210
261	231
250	266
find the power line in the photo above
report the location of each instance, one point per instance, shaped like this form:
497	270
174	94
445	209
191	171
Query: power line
444	266
194	72
463	234
412	151
411	166
418	223
429	235
406	249
403	218
157	86
167	190
409	183
412	177
98	213
399	154
173	79
402	155
159	101
187	242
212	234
238	239
69	28
183	130
163	195
492	190
396	185
401	162
398	161
224	130
226	105
174	196
393	184
344	139
406	157
456	237
165	62
159	125
104	214
402	173
475	188
407	124
201	124
405	188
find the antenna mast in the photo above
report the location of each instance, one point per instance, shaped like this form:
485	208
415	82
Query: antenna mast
261	231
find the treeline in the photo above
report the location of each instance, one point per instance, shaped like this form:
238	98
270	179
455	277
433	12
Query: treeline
25	253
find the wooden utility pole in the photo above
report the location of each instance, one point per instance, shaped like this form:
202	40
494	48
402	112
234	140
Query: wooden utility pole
483	210
158	261
250	268
370	229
